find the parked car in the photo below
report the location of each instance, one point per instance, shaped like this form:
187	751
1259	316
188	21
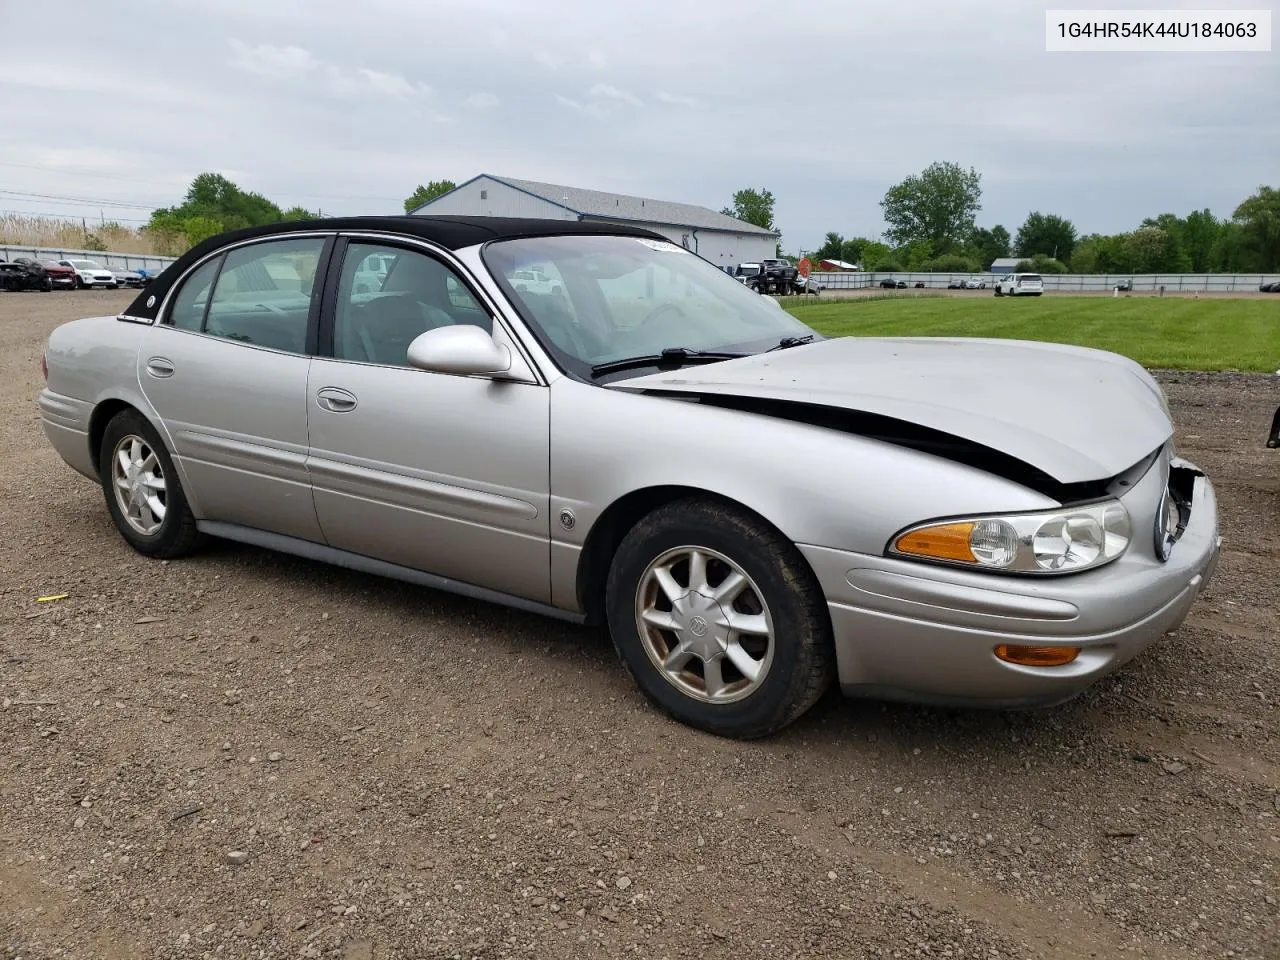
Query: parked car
24	276
919	284
532	280
974	283
1020	285
808	285
58	275
90	273
843	520
1124	285
125	277
955	285
892	284
1272	287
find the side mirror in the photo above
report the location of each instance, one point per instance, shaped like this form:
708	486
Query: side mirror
461	349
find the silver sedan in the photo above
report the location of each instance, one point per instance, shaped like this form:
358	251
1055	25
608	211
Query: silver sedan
754	511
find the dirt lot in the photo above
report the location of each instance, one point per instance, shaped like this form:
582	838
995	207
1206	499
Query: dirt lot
408	774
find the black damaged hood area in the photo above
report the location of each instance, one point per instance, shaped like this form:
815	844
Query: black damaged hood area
1051	416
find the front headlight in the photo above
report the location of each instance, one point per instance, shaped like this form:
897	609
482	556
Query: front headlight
1047	542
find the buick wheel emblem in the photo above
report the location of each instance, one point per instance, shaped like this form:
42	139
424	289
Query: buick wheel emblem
698	627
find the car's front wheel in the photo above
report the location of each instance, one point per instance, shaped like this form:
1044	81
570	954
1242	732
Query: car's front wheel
144	495
719	619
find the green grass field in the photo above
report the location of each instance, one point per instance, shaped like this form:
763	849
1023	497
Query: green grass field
1158	332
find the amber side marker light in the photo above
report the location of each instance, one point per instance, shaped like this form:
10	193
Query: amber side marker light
945	541
1036	656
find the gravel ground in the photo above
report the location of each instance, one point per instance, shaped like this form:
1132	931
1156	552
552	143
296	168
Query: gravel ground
248	755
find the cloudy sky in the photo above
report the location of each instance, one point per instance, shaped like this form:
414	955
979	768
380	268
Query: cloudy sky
346	106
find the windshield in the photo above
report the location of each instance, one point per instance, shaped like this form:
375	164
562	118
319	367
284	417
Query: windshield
606	298
85	265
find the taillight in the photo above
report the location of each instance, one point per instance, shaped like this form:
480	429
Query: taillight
44	366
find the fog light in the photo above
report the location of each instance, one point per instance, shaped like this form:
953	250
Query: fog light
1036	656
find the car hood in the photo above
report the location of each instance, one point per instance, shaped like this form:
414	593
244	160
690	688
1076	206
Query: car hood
1073	413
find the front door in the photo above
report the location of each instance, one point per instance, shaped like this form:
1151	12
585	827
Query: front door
226	371
441	473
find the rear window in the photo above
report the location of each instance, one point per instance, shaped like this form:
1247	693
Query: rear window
1033	277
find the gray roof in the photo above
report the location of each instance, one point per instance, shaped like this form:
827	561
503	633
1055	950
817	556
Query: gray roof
1007	262
596	203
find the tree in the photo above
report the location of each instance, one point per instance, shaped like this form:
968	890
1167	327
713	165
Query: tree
938	205
951	263
1045	233
1259	220
832	248
1041	263
213	205
851	250
753	206
877	256
1150	250
425	194
1201	231
988	245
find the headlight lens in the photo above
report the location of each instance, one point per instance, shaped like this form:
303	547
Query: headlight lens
1048	542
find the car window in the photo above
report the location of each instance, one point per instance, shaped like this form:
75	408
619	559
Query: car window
263	294
187	312
614	297
387	296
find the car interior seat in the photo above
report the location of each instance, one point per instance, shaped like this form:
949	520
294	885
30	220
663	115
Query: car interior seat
412	301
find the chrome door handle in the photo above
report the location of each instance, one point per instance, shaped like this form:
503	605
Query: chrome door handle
335	399
159	367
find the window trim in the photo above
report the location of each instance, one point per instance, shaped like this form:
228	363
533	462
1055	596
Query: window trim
444	257
164	316
167	318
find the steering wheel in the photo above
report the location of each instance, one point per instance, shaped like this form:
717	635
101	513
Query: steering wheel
661	309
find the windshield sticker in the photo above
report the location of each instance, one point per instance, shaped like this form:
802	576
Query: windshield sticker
662	246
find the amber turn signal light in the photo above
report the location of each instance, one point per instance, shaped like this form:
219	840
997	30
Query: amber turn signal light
946	541
1036	656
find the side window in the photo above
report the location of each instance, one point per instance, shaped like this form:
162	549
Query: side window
387	296
263	294
187	312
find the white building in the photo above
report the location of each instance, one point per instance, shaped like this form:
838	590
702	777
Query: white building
724	240
1006	264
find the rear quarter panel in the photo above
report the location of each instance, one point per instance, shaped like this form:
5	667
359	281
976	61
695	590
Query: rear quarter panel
91	362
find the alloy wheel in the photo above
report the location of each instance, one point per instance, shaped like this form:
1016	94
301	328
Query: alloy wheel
139	483
704	624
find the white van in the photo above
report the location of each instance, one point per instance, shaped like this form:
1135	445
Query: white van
1020	284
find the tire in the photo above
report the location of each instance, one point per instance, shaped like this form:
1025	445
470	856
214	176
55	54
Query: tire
795	655
176	533
998	293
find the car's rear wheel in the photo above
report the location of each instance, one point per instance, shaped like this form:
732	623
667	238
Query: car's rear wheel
719	619
144	496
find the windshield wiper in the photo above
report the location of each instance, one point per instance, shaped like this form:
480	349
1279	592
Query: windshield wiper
786	342
671	356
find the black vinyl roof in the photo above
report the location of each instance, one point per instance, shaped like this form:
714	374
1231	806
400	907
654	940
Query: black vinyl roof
453	233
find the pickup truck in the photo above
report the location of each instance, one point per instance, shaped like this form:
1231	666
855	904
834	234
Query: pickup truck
770	276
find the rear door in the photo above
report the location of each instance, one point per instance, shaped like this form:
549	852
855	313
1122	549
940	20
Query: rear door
226	371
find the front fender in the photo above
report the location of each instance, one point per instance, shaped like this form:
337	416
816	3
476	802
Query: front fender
816	485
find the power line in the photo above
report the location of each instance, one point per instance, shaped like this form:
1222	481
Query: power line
78	173
88	201
65	216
